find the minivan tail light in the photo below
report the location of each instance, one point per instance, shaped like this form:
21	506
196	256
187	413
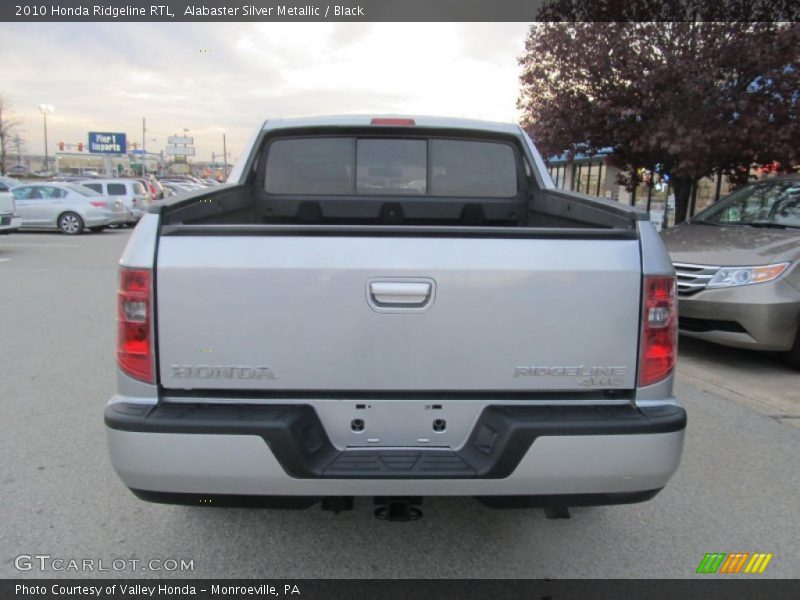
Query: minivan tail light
659	330
134	324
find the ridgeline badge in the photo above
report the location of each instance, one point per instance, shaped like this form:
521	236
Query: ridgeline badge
220	372
586	376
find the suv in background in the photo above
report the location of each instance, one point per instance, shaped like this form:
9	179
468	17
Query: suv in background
737	268
133	194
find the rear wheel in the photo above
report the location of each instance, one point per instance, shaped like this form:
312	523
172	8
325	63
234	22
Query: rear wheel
792	357
70	223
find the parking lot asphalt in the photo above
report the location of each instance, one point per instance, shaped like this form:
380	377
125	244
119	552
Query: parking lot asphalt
736	490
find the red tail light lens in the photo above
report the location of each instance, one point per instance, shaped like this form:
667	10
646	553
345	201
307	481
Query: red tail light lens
659	330
134	314
97	204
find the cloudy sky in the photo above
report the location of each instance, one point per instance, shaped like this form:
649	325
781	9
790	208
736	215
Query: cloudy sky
215	78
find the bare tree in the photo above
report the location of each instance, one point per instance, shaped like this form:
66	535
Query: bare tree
20	146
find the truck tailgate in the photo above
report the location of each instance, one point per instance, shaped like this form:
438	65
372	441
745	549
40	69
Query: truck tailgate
336	313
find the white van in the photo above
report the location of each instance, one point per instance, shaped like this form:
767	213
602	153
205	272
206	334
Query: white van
132	193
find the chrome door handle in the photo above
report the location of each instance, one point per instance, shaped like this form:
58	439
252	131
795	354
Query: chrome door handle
400	293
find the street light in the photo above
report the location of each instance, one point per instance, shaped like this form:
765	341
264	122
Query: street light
46	109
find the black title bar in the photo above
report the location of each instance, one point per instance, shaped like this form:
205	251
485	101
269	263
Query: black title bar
397	10
408	589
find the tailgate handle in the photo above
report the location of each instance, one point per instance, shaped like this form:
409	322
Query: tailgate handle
409	294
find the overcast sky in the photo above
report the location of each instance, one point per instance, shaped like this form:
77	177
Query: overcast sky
212	78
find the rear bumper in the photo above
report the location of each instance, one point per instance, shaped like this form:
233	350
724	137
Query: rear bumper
96	221
760	317
9	223
119	217
243	450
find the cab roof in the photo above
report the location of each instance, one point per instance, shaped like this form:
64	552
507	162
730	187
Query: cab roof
367	121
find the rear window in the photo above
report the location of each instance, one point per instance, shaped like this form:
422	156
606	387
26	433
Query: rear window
97	187
391	166
138	188
116	189
311	166
467	168
83	190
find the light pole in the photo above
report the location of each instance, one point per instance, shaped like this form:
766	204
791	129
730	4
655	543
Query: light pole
46	109
225	157
186	158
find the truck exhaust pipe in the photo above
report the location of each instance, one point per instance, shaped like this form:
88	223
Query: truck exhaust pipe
337	504
398	508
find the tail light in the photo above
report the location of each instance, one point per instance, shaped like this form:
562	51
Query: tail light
134	318
659	330
98	204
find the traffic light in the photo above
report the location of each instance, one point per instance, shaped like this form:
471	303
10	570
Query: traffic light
61	146
80	146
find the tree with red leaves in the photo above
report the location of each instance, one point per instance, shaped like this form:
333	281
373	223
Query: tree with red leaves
687	98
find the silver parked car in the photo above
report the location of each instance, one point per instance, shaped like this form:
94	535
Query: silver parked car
133	194
737	266
67	207
171	188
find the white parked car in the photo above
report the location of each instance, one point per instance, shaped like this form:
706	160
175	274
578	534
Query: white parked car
9	221
172	188
67	207
133	194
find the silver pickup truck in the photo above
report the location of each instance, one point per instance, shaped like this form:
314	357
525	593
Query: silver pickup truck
394	308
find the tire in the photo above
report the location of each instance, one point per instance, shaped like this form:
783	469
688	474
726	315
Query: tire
97	229
70	223
792	357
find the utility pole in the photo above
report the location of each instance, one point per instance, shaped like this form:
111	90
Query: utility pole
225	158
45	109
215	156
18	144
2	144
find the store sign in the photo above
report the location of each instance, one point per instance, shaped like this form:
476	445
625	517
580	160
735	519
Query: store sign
176	139
101	142
179	150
